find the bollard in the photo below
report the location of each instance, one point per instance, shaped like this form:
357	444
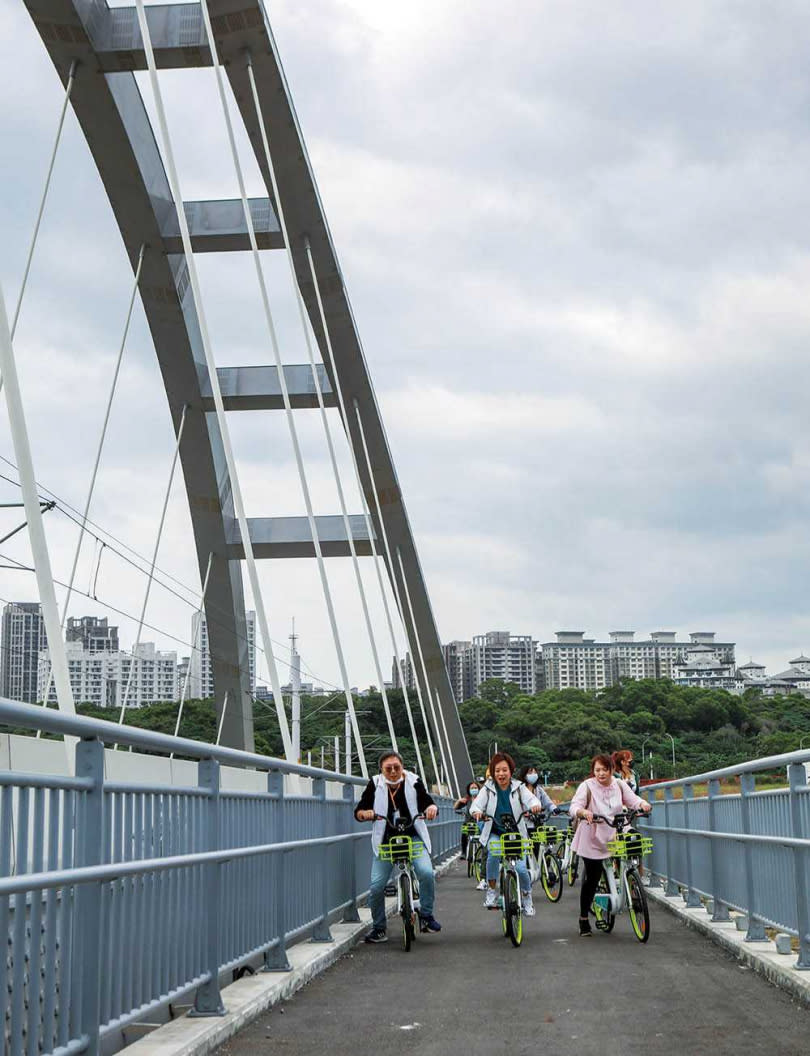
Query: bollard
784	944
709	906
741	922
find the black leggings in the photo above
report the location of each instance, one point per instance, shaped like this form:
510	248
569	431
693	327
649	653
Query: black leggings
594	867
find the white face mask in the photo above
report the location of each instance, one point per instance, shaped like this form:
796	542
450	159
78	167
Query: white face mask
473	793
531	779
393	784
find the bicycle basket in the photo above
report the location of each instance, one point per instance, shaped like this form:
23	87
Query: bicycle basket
630	845
400	849
546	834
469	828
510	845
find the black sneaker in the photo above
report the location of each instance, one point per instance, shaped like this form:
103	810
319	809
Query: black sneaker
585	928
429	924
376	935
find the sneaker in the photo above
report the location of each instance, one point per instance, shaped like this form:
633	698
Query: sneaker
429	924
376	935
528	905
491	898
482	885
585	928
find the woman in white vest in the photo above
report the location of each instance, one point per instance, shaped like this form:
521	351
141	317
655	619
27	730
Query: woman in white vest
503	795
397	795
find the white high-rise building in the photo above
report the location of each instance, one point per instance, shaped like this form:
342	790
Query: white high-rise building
201	678
100	678
458	661
499	654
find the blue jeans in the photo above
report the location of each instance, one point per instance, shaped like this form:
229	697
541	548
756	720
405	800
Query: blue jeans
380	873
493	864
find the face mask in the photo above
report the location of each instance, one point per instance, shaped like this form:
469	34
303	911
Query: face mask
393	784
473	791
531	778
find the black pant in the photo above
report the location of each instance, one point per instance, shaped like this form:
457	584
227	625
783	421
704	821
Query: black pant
594	867
464	838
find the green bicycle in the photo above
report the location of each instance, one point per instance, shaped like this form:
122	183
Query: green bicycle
567	856
545	866
401	849
475	852
509	848
620	883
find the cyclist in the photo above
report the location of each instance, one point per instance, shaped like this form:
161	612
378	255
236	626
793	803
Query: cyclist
503	795
530	779
462	806
601	793
623	769
396	794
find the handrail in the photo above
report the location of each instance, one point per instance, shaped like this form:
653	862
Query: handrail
768	762
14	713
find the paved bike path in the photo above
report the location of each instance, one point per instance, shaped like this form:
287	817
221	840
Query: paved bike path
469	991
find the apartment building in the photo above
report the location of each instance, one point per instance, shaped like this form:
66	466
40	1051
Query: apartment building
201	678
21	641
101	677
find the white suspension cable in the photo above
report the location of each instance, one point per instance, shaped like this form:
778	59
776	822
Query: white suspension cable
447	741
369	528
216	391
422	662
194	633
150	579
32	247
328	436
282	380
222	717
395	588
94	474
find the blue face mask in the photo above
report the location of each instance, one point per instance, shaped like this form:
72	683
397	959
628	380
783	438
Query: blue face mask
531	779
473	792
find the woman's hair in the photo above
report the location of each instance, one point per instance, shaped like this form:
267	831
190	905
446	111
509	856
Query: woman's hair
501	757
622	758
602	760
390	755
524	770
469	786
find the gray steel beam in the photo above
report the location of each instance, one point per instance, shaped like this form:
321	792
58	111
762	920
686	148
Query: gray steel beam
291	537
258	388
116	126
219	226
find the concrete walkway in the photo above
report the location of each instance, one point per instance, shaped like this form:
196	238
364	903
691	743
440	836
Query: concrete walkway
469	991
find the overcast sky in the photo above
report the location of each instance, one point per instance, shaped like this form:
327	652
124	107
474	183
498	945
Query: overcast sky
575	236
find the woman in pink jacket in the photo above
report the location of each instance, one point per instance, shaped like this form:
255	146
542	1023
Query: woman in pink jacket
601	794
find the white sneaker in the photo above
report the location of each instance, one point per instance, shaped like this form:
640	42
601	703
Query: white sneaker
491	898
482	885
528	905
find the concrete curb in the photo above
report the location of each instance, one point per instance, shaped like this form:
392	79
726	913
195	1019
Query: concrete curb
762	957
251	996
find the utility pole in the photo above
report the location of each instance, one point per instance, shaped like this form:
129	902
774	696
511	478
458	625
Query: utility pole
347	736
295	681
337	753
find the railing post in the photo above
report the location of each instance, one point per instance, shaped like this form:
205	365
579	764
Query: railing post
350	915
321	932
671	888
87	952
275	959
654	879
797	778
692	897
756	931
208	1000
720	911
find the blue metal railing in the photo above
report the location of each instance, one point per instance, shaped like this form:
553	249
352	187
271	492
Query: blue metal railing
748	850
119	898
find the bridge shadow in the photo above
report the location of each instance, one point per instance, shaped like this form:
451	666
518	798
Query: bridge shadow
469	991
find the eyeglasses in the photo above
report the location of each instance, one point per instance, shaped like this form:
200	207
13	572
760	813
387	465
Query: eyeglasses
393	768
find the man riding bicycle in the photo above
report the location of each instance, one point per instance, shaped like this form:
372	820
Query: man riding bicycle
391	798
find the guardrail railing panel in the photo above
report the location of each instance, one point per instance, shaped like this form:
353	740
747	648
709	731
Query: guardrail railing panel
120	897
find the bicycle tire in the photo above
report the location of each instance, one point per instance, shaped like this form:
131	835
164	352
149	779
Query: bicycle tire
478	863
637	905
605	918
406	910
551	877
505	924
573	869
470	860
513	909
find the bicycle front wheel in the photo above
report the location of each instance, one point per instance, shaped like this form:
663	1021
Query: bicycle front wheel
512	909
551	877
573	869
605	918
637	905
406	910
478	863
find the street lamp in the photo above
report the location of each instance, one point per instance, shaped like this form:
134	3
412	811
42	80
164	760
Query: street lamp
673	751
802	740
649	735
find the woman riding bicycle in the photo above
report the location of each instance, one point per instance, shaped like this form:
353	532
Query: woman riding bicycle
501	804
623	769
462	806
530	779
601	794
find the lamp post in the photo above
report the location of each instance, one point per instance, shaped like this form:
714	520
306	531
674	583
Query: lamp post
802	740
649	735
673	751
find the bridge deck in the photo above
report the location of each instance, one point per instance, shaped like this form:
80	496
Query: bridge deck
471	992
